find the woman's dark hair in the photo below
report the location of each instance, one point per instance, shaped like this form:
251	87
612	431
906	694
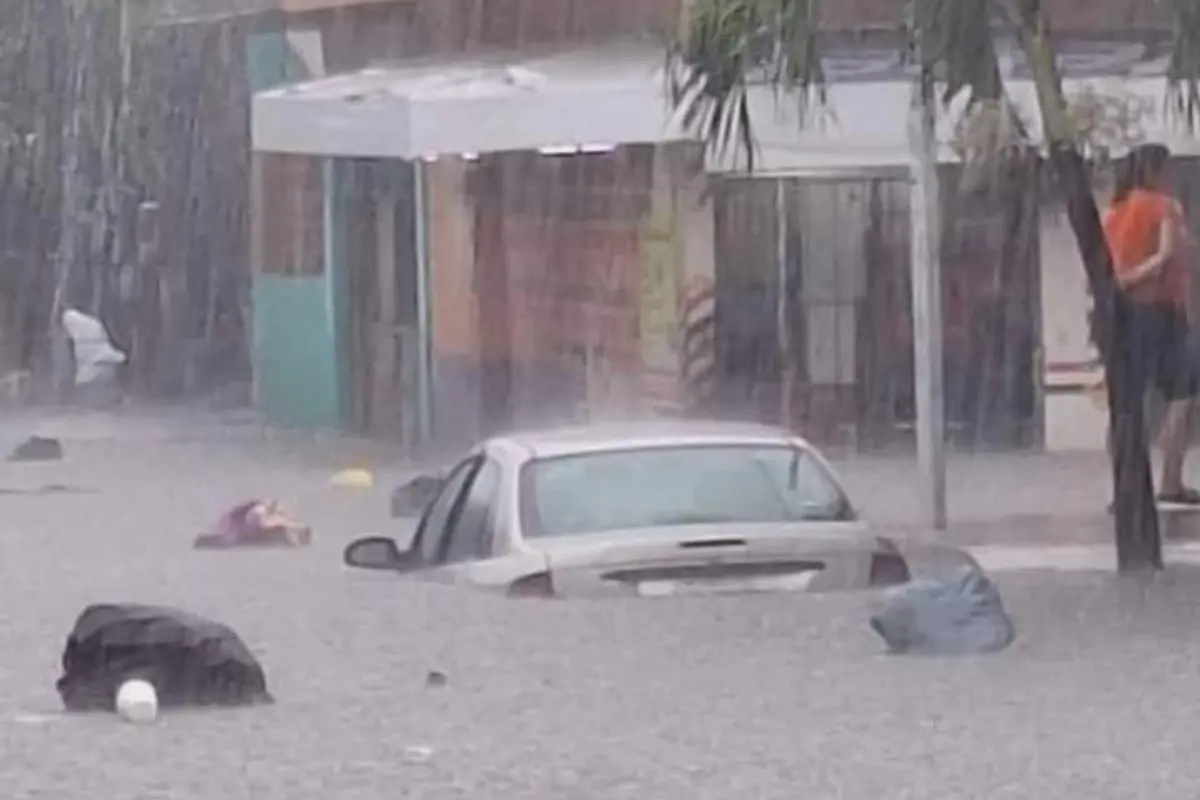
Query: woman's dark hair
1140	169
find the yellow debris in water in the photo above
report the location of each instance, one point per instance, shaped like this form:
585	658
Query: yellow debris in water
353	479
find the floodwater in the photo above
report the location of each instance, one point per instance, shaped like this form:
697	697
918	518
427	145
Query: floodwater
598	273
666	698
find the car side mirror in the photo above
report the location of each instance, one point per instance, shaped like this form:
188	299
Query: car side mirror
377	552
411	499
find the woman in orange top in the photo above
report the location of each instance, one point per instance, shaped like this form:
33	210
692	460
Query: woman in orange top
1145	233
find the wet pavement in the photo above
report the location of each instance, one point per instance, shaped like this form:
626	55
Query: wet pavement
683	698
1023	498
986	487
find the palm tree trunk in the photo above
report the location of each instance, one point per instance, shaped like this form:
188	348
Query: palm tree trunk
1139	545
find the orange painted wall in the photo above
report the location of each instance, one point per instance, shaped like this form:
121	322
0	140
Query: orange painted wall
575	304
451	222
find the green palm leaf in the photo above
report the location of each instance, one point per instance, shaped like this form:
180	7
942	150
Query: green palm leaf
1183	74
730	45
957	43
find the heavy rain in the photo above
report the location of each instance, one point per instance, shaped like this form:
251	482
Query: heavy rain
599	398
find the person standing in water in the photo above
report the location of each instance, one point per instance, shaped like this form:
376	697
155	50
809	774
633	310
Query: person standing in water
1147	237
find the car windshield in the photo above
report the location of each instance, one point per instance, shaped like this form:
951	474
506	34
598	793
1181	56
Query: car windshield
664	486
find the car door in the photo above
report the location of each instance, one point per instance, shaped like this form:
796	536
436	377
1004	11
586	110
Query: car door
430	539
471	529
470	549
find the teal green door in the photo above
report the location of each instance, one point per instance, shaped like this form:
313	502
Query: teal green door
299	310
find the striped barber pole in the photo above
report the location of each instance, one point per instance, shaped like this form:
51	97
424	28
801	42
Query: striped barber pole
697	350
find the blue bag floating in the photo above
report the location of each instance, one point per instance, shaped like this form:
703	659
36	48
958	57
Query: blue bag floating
959	614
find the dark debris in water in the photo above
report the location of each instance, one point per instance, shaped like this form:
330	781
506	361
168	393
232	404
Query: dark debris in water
38	448
49	488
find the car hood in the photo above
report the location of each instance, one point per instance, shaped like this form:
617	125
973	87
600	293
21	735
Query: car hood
814	556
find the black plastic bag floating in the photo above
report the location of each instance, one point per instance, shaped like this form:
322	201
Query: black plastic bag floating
190	661
959	614
37	448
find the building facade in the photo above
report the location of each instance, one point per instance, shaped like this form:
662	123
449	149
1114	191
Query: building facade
370	254
505	227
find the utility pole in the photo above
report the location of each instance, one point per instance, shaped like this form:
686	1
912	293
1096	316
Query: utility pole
783	318
79	35
927	298
114	173
145	313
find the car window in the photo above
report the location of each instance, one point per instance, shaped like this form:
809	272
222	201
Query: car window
664	486
431	532
470	530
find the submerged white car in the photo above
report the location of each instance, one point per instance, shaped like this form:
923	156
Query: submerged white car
642	509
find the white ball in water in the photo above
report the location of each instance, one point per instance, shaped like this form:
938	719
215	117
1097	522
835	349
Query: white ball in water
137	701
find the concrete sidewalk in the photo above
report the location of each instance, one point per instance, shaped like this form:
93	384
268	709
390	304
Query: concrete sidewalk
982	487
996	499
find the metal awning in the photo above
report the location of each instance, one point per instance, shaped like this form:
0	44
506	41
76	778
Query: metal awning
588	97
176	12
617	95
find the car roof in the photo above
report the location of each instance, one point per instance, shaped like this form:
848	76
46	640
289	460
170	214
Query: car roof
606	436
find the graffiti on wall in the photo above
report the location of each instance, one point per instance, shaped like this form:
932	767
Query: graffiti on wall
659	287
658	313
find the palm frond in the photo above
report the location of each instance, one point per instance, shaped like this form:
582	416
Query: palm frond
955	40
730	45
1183	73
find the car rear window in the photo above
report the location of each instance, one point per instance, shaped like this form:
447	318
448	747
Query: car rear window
685	485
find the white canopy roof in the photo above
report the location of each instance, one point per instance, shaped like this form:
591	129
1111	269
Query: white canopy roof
611	96
602	96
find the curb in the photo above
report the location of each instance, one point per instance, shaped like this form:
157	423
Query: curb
1068	558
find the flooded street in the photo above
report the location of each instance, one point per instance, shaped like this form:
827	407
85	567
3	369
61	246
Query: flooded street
670	698
945	247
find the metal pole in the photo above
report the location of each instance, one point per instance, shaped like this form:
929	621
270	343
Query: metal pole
783	325
424	334
144	323
927	302
80	36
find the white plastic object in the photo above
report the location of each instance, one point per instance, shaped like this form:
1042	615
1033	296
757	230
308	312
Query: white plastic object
95	355
137	701
417	753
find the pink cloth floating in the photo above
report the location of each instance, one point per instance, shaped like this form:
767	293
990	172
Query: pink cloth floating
256	523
